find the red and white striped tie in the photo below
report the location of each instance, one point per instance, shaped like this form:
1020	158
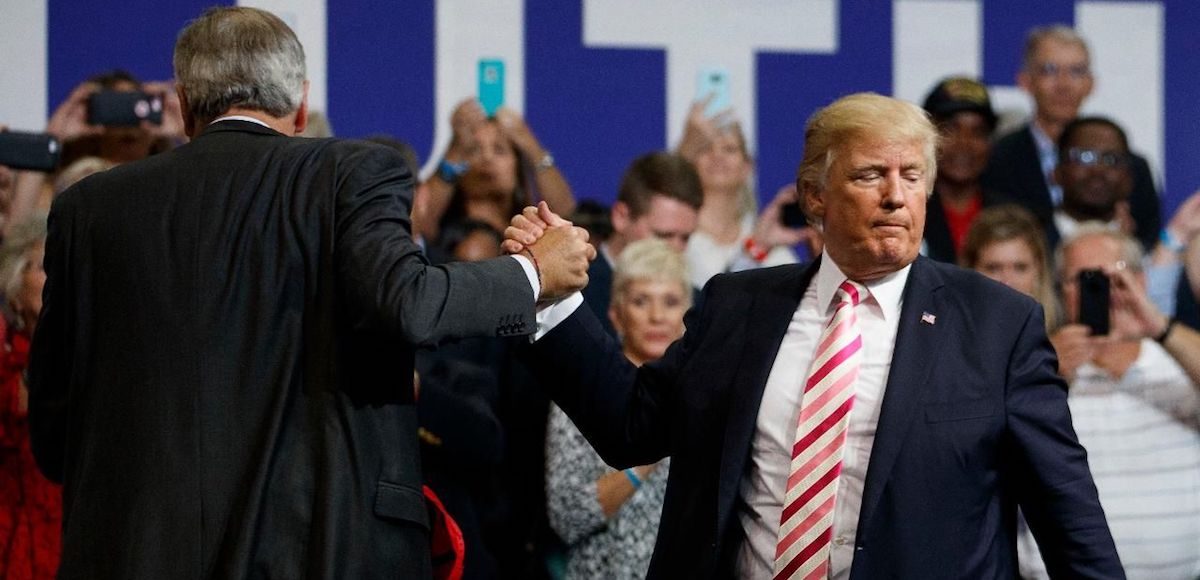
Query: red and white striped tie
806	525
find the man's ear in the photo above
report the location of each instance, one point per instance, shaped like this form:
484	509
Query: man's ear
302	111
189	120
621	216
812	200
1024	80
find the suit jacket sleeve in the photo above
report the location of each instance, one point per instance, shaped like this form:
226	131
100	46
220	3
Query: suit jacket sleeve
51	362
386	280
1052	480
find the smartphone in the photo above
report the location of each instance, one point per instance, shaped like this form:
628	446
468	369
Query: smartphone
491	85
34	151
124	108
715	82
1093	300
792	216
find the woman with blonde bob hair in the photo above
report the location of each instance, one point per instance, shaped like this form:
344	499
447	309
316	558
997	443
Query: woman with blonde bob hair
609	518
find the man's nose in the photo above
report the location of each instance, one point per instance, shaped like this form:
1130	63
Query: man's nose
892	191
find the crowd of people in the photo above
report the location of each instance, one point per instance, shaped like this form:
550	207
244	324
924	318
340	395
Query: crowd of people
693	472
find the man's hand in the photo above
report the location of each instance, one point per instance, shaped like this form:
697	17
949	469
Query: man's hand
769	230
172	115
1075	346
699	130
69	121
528	226
561	256
1134	315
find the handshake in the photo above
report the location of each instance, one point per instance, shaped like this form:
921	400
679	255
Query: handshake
558	249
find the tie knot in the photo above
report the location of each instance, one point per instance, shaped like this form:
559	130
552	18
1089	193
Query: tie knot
850	292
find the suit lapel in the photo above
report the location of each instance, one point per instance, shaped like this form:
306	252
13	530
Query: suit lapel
770	313
917	341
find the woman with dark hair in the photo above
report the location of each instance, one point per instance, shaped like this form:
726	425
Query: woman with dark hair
492	169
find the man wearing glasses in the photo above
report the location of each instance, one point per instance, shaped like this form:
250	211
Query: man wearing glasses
1056	72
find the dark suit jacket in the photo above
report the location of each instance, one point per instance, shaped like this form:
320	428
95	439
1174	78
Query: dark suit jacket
1015	171
938	241
222	377
597	295
974	422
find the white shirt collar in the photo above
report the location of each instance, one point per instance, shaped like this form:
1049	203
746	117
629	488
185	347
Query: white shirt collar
239	118
887	292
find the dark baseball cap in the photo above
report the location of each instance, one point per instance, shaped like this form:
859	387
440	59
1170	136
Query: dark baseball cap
957	94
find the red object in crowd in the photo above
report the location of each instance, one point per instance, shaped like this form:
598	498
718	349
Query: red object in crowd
30	504
446	545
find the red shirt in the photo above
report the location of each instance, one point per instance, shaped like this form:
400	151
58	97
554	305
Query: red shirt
959	221
30	504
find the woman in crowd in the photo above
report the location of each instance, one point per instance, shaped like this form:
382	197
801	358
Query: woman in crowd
30	505
728	236
1006	244
609	518
488	169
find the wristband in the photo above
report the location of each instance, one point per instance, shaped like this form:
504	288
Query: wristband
755	251
1161	338
633	478
1170	241
449	171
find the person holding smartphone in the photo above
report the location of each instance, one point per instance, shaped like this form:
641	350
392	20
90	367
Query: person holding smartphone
730	235
1134	404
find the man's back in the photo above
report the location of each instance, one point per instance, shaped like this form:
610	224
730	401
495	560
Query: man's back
231	325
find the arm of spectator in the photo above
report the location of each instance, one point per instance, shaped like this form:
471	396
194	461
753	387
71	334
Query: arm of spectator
465	119
1179	232
1074	346
699	130
172	126
1136	317
551	185
615	488
69	120
27	187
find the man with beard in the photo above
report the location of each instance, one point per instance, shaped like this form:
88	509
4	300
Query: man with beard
965	120
1094	171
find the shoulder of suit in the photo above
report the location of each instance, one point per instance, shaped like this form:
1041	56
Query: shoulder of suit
756	279
976	287
1021	138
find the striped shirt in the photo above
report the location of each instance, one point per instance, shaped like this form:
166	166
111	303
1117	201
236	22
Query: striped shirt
1142	435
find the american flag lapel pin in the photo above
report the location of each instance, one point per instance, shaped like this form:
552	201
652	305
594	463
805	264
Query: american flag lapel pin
927	318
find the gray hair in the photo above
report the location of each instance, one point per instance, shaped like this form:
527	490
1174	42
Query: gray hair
1131	250
239	57
1058	32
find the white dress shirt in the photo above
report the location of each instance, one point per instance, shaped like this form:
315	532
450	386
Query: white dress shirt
764	484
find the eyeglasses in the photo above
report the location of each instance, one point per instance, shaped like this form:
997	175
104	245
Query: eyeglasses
1091	157
1050	69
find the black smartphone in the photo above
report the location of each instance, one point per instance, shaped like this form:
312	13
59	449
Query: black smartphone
1093	300
124	108
792	216
35	151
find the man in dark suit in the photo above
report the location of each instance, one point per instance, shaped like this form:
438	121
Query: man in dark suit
222	377
1057	73
956	415
660	196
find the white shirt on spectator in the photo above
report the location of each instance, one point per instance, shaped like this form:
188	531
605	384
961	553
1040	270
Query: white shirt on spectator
1142	435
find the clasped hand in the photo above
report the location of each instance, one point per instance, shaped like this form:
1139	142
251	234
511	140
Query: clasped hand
560	250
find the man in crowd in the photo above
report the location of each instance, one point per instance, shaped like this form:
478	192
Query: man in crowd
895	441
660	196
1056	72
1136	409
962	111
222	374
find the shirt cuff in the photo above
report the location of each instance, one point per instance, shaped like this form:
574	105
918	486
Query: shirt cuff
530	273
552	315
